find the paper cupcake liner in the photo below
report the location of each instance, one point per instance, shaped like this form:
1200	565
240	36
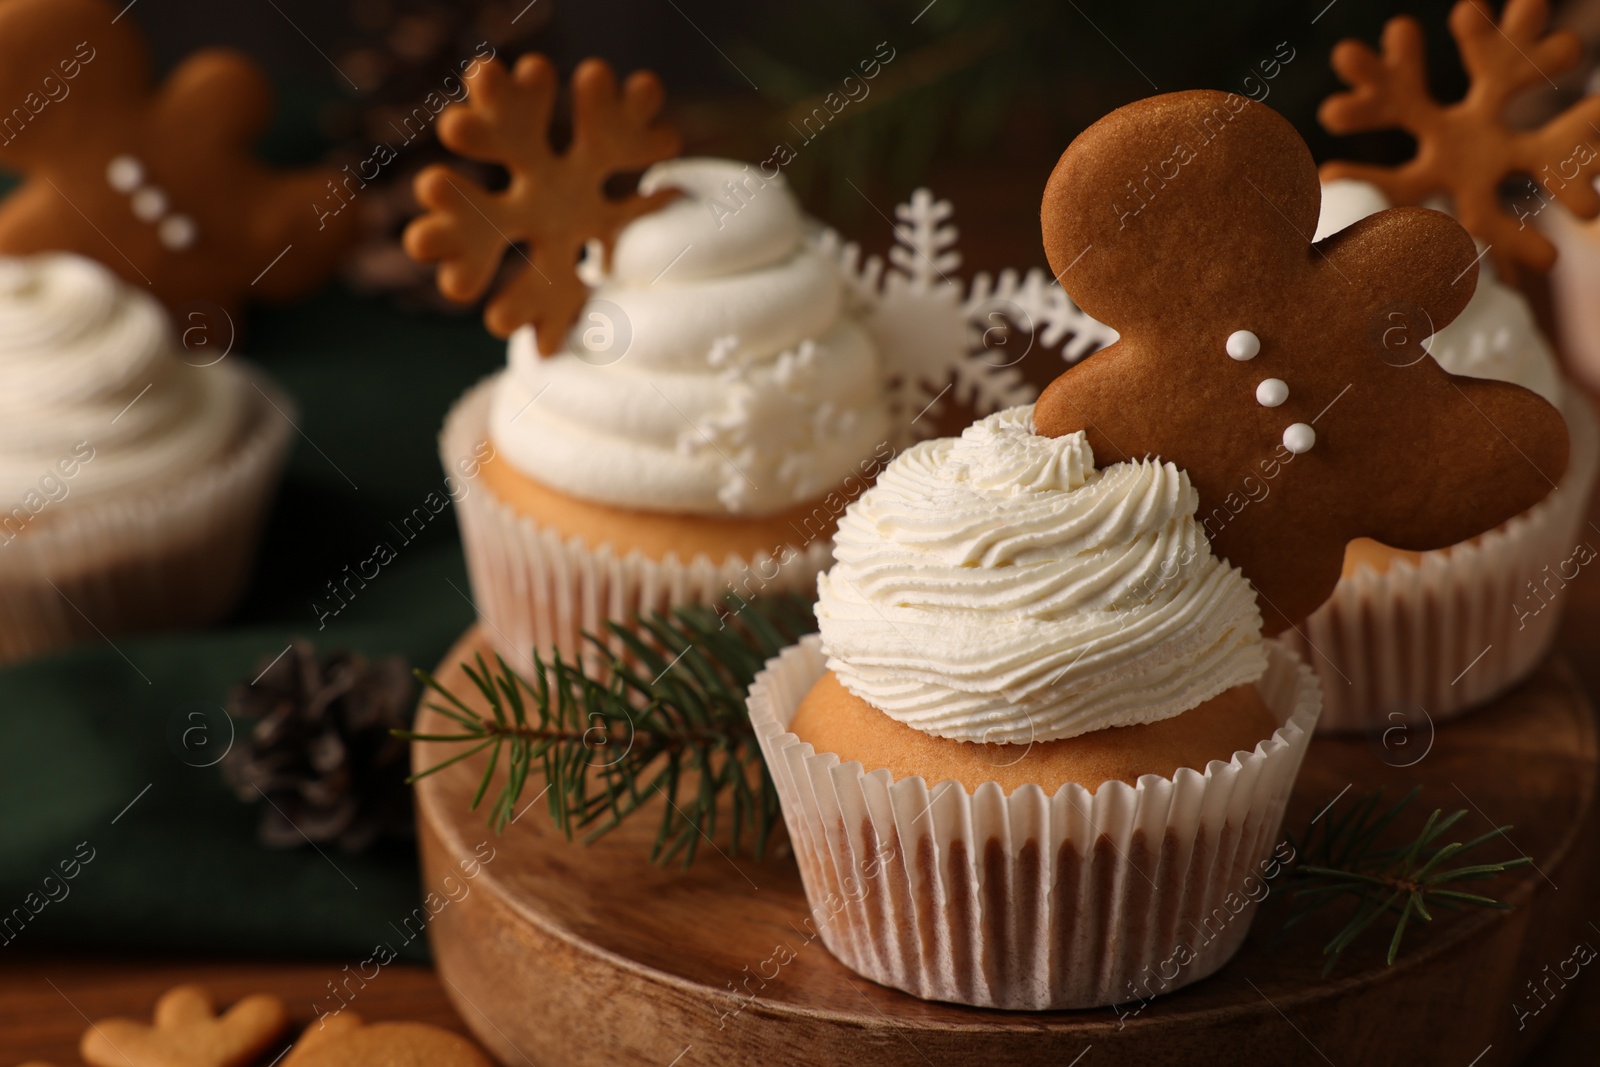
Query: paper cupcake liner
1430	640
1027	901
170	557
535	589
1574	280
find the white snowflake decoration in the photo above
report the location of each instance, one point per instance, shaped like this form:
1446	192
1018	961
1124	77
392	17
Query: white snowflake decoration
939	340
772	441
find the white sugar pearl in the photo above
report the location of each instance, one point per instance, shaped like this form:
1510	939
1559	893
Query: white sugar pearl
1242	345
177	232
149	203
1272	392
1299	438
124	174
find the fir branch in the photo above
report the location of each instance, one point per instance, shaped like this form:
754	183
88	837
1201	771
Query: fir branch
1342	861
663	715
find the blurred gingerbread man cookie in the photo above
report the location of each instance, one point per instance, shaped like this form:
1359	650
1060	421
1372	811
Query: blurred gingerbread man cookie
158	182
1287	378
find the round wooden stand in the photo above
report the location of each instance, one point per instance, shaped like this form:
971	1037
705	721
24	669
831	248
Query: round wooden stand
560	954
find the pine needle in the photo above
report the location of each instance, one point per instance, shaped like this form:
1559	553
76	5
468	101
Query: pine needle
663	719
1340	862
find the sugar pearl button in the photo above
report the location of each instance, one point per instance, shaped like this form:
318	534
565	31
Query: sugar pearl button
1299	438
1272	392
149	204
124	174
1242	345
177	232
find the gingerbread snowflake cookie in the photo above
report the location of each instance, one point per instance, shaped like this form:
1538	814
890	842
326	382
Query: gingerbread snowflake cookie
1465	149
556	203
187	1032
347	1040
158	182
1287	378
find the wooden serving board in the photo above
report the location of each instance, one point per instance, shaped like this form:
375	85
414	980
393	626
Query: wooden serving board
561	954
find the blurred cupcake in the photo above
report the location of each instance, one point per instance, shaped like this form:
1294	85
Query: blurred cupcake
1574	282
1039	754
1409	635
711	412
133	485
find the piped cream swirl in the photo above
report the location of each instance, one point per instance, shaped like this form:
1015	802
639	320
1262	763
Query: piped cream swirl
86	358
715	371
997	587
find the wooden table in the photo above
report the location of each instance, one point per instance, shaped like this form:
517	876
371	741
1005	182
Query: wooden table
45	998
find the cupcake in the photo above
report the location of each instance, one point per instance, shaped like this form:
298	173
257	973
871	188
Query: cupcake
711	412
134	484
1040	741
1410	635
699	378
1038	755
1574	280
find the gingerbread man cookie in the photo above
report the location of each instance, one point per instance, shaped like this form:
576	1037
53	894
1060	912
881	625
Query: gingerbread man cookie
1287	378
346	1040
187	1033
159	183
556	202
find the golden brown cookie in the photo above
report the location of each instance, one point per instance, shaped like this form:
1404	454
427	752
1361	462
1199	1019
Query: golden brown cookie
344	1040
1465	150
1287	379
833	719
187	1033
159	183
556	202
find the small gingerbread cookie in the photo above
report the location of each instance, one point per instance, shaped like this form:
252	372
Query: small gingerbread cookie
1287	378
159	183
345	1040
187	1032
556	202
1465	149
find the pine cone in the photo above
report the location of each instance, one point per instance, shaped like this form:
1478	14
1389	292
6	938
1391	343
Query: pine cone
320	749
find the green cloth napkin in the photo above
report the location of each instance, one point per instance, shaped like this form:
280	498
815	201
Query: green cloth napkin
88	764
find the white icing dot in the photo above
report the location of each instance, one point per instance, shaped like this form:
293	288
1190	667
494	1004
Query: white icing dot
1242	345
149	203
124	173
1299	437
177	232
1272	392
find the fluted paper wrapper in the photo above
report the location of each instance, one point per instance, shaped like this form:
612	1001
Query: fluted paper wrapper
1574	281
1030	901
1432	639
536	590
170	557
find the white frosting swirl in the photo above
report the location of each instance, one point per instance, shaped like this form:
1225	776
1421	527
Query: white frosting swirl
713	372
86	358
997	587
1495	336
